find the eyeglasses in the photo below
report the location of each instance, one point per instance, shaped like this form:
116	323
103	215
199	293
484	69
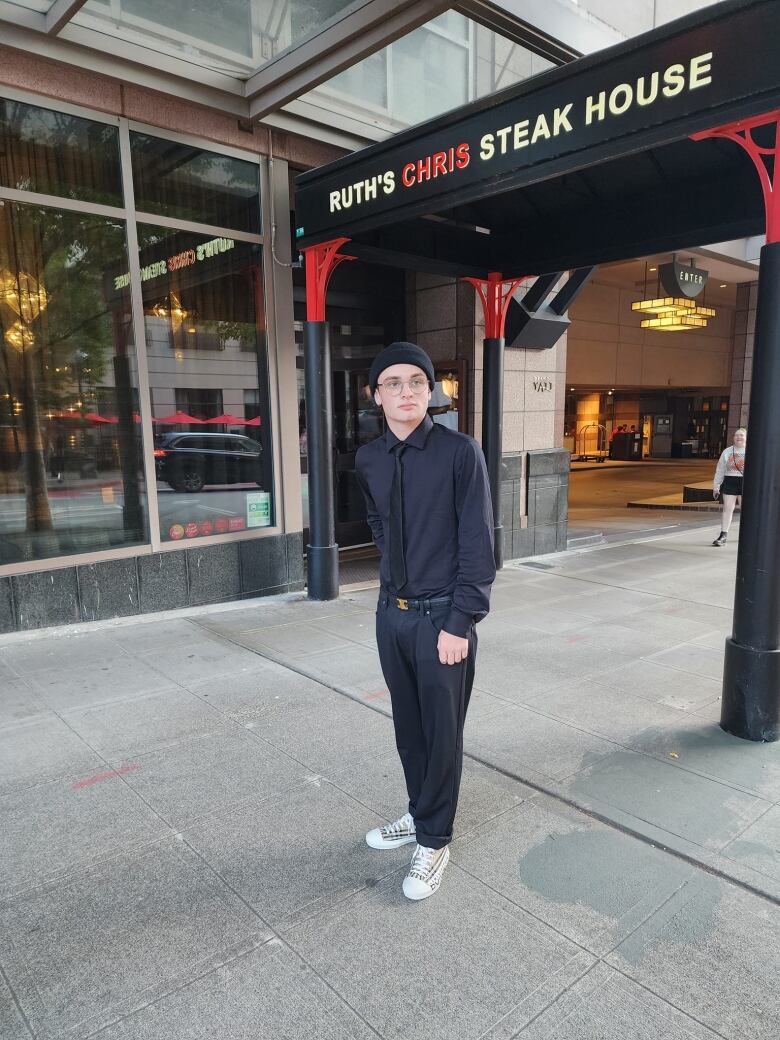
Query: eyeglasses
417	385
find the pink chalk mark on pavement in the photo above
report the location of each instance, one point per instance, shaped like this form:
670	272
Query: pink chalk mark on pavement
574	639
88	781
376	694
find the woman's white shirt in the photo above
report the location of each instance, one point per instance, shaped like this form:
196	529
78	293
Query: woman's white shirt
730	464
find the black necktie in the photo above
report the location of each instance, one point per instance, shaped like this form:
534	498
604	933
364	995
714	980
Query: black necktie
397	560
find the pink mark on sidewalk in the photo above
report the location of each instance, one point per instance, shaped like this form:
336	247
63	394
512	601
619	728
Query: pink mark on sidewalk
574	639
109	773
376	694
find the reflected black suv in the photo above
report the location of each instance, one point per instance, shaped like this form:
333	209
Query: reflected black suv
189	461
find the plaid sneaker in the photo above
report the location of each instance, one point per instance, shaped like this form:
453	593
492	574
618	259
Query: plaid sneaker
392	835
425	872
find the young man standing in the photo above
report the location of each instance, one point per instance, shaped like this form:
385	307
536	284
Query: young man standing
429	509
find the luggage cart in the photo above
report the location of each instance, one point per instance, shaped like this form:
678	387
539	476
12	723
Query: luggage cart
601	453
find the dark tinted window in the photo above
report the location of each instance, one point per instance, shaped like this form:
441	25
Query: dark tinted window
178	180
58	154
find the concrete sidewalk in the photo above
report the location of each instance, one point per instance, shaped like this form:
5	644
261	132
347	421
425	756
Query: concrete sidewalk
183	803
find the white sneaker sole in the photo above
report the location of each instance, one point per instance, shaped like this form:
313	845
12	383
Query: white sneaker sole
374	840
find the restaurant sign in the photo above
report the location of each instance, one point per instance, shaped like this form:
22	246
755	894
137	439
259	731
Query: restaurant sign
653	90
681	280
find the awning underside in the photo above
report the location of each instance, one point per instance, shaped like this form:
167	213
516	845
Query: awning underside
679	196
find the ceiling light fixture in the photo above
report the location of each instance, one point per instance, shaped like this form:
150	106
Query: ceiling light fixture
675	323
665	305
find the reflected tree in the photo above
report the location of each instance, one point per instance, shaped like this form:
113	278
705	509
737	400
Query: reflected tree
57	327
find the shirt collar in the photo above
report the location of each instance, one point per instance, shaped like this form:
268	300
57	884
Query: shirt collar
416	438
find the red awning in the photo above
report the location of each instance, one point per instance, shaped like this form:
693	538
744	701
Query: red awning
179	419
226	419
95	418
253	422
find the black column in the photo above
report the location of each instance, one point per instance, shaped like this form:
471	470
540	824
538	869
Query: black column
322	553
492	431
751	677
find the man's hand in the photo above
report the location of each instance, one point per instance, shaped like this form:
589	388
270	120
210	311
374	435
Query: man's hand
716	493
452	649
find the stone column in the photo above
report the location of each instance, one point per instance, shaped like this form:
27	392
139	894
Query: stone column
442	316
742	358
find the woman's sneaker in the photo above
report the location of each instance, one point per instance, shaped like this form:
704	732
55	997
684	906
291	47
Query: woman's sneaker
425	872
721	539
392	835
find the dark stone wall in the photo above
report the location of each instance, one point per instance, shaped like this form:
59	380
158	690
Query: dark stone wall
144	584
535	502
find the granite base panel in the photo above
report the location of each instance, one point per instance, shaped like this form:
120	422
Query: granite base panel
535	502
146	584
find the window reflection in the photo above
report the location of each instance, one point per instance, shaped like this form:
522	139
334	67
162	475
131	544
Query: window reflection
58	154
443	64
70	475
236	36
205	335
178	180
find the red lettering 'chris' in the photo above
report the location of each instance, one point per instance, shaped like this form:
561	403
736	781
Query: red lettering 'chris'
436	165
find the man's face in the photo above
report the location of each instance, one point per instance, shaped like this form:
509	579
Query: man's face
406	406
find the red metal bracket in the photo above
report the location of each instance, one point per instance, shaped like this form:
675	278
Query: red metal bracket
321	261
741	133
495	294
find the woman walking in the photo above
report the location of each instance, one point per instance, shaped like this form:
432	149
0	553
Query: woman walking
728	481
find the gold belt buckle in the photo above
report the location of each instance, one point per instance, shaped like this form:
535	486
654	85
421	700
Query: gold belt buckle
403	604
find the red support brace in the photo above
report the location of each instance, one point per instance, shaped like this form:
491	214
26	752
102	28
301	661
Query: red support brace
321	262
741	133
495	294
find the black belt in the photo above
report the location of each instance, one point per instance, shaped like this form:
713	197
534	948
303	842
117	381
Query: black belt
415	604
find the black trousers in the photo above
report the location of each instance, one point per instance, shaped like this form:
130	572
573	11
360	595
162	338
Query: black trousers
430	701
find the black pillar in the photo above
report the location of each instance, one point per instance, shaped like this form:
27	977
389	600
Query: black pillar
751	678
322	553
492	431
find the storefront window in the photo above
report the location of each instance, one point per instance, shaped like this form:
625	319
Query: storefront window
58	154
178	180
70	472
208	374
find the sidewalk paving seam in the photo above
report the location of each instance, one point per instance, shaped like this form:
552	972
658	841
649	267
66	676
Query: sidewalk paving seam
295	666
577	942
279	938
180	989
492	1028
20	1010
688	1014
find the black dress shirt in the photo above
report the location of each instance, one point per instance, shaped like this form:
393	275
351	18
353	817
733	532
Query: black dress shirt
448	518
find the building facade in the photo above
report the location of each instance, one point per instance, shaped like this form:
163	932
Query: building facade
152	417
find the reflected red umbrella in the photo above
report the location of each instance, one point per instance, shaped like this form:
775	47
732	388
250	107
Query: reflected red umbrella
179	419
226	419
95	418
253	422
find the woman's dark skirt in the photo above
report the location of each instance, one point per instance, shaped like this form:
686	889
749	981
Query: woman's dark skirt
731	486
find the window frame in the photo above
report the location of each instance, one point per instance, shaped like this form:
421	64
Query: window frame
131	218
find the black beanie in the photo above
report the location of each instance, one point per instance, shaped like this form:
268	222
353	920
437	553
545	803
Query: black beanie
400	354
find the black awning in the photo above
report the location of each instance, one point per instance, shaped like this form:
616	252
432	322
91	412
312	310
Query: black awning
584	164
